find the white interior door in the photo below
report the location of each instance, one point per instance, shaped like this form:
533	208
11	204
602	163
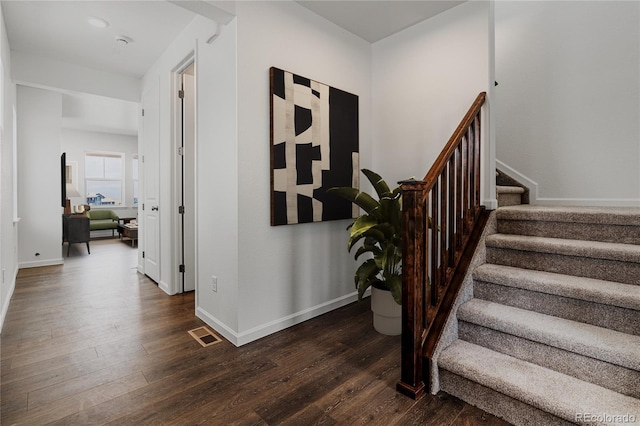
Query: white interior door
151	176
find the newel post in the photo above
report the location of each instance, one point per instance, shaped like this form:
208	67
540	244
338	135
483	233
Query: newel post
413	269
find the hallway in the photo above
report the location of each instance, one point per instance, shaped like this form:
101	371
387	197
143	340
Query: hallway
94	342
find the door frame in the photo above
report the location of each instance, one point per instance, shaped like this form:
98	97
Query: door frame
176	137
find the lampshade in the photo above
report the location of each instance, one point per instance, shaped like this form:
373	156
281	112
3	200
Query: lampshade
72	191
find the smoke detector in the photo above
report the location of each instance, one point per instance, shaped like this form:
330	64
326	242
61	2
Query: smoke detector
123	40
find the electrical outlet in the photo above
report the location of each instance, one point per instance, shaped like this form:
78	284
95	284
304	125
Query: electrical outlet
214	283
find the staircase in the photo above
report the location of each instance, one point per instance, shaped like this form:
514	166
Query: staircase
552	333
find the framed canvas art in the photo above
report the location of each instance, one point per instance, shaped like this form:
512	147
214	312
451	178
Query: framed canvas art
314	147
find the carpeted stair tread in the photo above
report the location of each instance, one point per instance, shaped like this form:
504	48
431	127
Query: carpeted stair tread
584	339
579	248
629	216
588	289
509	189
561	395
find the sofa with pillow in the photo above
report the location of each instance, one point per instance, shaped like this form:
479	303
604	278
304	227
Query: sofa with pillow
100	220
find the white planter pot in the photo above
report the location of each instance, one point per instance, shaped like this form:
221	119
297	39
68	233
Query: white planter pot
387	314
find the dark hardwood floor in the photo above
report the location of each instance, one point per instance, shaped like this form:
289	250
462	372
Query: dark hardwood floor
94	342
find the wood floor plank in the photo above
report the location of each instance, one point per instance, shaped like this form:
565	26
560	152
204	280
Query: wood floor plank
93	342
63	407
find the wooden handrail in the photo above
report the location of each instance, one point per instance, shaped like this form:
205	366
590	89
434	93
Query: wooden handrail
449	148
440	216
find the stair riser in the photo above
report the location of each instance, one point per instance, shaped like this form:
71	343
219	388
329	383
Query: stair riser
610	270
611	317
614	377
512	410
505	200
572	231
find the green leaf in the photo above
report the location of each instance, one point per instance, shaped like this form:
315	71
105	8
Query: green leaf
366	272
381	187
367	248
364	286
372	233
361	199
394	284
362	225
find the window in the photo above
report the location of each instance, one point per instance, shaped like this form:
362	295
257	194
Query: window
134	177
104	176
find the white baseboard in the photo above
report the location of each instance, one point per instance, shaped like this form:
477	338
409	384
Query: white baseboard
38	263
217	326
490	204
165	287
244	337
534	197
7	300
589	202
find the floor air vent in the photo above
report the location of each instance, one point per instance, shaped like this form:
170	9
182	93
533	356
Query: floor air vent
204	336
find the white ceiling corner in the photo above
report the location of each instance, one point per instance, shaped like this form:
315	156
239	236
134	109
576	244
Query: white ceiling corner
373	20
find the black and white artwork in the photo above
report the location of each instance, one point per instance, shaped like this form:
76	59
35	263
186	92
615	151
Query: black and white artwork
314	147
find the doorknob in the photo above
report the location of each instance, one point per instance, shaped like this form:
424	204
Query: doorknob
154	208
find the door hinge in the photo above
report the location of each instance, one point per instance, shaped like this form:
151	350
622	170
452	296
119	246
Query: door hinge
143	158
181	267
181	150
143	112
143	254
181	209
181	94
142	206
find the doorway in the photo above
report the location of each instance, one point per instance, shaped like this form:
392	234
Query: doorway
185	139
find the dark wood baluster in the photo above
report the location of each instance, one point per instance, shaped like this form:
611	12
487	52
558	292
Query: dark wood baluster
465	184
459	179
472	176
424	262
442	232
434	199
477	124
452	211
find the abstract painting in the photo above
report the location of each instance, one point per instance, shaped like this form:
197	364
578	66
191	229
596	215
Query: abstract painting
314	147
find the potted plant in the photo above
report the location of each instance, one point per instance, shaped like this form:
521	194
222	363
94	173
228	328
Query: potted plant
378	230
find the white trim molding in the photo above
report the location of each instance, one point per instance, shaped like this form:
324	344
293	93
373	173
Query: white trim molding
248	336
38	263
529	183
535	198
589	202
7	301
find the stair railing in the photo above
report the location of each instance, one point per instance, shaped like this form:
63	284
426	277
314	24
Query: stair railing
439	215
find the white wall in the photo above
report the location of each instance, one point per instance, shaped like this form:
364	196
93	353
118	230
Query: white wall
39	114
8	225
289	273
51	73
78	142
425	78
569	99
217	181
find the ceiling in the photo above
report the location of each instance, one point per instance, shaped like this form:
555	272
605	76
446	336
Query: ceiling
60	30
375	20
